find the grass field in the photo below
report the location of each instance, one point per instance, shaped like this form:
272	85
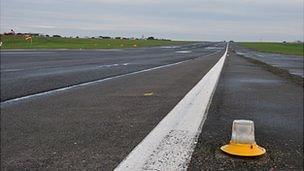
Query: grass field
19	42
282	48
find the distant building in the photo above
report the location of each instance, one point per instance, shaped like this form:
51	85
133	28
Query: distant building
12	32
56	35
150	38
104	37
23	34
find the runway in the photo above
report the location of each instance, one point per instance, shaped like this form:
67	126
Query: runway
89	109
97	125
31	72
249	91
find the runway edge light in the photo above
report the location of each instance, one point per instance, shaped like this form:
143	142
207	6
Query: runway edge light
242	141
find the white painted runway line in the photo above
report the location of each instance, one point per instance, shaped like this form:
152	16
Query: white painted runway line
90	83
113	65
169	47
11	70
183	51
169	146
16	52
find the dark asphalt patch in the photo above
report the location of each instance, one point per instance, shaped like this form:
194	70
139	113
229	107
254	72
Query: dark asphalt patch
247	91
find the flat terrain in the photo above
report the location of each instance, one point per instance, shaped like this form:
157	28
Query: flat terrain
275	104
94	126
291	64
125	93
19	42
25	73
283	48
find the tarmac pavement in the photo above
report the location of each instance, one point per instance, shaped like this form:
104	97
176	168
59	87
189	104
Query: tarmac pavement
292	63
247	91
29	72
94	126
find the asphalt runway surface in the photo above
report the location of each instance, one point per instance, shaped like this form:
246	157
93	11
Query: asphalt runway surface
30	72
94	126
275	104
292	63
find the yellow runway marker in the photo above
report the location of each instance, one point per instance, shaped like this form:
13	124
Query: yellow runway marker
242	141
246	150
149	94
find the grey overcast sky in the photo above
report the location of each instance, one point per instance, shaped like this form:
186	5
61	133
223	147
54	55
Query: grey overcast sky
241	20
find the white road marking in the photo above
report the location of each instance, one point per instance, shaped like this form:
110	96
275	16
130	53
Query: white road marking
22	52
11	70
170	144
108	50
100	66
183	51
212	48
169	47
91	82
112	65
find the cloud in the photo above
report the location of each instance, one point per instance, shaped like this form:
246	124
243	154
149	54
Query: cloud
176	19
43	26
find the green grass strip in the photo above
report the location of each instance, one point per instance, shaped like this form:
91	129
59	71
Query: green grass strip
19	42
271	47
